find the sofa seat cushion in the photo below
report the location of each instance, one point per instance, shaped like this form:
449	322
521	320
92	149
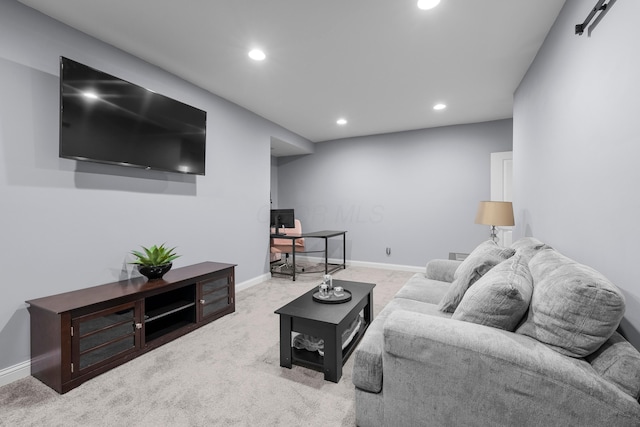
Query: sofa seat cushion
419	288
501	297
574	309
483	258
618	361
367	366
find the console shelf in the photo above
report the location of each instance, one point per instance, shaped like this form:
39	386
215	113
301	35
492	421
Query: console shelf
78	335
175	307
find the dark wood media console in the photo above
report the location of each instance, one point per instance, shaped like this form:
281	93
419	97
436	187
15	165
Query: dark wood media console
78	335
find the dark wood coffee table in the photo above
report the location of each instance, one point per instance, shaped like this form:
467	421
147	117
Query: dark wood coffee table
326	321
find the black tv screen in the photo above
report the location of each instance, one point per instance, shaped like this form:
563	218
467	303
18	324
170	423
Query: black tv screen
108	120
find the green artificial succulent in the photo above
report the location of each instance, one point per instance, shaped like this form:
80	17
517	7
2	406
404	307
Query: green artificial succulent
154	256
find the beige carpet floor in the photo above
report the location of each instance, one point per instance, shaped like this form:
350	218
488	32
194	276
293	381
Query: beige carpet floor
226	373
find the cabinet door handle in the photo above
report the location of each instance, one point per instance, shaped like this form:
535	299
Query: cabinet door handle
202	301
138	325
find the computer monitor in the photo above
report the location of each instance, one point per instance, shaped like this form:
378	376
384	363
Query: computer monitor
282	218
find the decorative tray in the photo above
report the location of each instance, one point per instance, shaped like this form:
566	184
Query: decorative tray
332	299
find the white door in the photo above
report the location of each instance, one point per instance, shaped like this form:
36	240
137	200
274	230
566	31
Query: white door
501	185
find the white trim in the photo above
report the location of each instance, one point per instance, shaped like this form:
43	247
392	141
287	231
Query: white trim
382	266
15	372
501	188
252	282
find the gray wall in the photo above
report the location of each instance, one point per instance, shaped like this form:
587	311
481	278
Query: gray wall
68	225
416	192
576	146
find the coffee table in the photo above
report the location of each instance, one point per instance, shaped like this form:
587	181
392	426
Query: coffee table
326	321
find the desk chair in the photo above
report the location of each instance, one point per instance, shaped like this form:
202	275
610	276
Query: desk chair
285	246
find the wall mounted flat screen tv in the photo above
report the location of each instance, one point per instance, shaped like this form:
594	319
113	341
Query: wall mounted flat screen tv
108	120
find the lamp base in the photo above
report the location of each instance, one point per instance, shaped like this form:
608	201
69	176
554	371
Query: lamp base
494	234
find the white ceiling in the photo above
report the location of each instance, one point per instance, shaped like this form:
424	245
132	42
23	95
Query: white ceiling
381	64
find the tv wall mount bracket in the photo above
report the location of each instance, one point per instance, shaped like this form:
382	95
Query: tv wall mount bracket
599	7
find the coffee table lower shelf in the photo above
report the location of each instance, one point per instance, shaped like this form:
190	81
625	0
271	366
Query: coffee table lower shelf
313	359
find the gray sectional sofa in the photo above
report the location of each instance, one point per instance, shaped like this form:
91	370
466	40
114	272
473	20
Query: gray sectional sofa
520	336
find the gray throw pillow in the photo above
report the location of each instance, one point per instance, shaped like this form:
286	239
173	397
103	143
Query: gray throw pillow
500	298
574	309
484	257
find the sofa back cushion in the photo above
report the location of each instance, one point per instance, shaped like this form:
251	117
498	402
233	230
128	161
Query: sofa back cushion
525	243
501	297
528	246
483	258
574	309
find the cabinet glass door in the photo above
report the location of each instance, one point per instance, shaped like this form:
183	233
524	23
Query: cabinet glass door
101	337
214	296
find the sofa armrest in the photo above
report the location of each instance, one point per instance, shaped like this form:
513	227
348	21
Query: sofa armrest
442	269
443	369
618	362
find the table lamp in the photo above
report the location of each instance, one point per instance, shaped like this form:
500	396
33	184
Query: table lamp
495	214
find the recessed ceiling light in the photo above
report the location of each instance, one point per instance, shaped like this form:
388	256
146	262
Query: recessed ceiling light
427	4
439	107
257	55
341	122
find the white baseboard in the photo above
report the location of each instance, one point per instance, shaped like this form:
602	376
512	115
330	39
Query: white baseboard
15	372
252	282
383	266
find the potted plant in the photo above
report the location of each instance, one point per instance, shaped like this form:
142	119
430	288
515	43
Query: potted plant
155	261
